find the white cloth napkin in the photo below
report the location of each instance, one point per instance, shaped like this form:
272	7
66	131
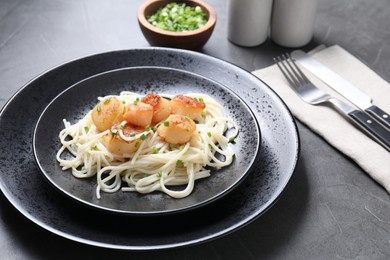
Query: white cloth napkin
328	123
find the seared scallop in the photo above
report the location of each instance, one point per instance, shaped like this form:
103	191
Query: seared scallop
106	113
177	129
139	114
115	144
161	107
187	106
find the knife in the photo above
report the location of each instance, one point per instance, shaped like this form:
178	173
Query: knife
342	86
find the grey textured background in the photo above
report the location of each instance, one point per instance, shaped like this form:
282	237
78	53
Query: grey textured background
330	210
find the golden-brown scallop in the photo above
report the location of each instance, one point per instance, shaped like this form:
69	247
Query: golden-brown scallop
115	144
139	114
161	106
188	106
177	129
106	113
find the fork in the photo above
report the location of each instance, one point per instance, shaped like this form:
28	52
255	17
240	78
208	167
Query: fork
307	91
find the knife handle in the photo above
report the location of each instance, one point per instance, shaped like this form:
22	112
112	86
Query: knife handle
372	128
380	115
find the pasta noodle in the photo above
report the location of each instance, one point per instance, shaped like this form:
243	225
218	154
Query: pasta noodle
156	165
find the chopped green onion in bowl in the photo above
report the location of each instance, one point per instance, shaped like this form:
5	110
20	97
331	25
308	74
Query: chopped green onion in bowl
178	17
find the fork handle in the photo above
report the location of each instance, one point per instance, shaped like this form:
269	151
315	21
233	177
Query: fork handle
372	128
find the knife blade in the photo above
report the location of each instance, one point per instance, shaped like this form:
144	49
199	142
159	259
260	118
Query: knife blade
342	86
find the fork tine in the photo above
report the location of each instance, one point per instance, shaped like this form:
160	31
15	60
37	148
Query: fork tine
286	72
302	77
291	71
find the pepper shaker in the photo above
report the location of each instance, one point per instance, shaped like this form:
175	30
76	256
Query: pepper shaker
248	21
292	22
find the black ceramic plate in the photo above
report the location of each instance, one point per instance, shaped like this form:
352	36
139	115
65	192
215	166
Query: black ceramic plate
24	186
75	102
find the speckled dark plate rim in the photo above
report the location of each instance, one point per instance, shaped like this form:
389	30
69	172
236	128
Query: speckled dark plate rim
279	154
204	192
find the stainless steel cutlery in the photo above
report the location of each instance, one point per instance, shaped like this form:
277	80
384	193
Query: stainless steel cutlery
313	95
342	86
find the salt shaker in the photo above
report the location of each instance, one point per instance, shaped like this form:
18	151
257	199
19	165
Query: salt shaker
248	21
292	22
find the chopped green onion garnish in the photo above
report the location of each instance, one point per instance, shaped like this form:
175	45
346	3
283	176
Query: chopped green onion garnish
201	99
132	134
121	127
188	118
143	137
147	128
107	101
154	150
178	17
209	134
95	148
86	128
136	144
123	102
166	123
232	139
98	108
114	132
136	101
159	174
179	163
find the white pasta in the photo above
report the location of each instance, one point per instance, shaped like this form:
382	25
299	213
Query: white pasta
156	165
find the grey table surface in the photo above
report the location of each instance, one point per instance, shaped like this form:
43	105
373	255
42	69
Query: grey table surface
331	208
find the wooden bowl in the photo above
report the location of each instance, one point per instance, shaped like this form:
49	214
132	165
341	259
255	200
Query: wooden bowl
192	40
